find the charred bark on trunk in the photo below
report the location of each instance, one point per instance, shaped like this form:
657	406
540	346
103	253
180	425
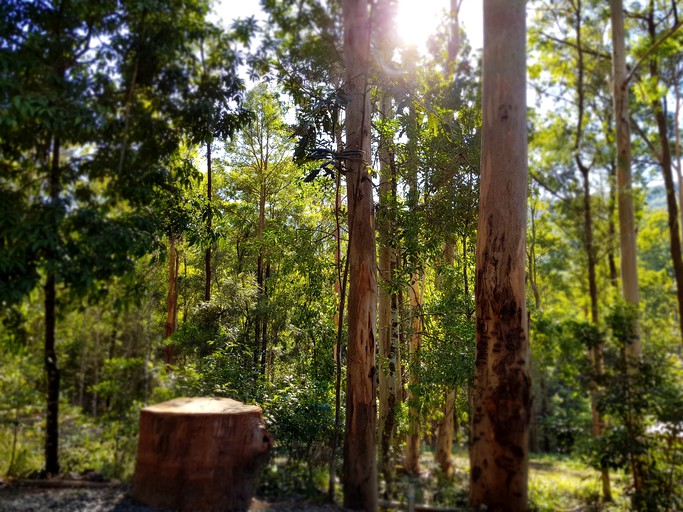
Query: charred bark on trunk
502	394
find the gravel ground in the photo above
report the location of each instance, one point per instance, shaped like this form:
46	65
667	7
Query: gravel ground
114	499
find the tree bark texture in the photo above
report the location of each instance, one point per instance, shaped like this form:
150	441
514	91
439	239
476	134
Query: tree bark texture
199	454
502	389
360	443
627	227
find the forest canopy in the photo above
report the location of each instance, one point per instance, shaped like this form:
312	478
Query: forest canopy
413	272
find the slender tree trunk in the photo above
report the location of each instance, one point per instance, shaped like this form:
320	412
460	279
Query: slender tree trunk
209	194
338	379
544	413
172	298
665	162
677	132
443	453
672	208
627	230
51	367
412	455
259	320
53	380
412	451
533	280
342	277
499	455
627	227
612	206
360	443
264	323
594	353
388	300
337	236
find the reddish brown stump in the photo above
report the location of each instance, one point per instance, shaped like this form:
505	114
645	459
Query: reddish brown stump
199	454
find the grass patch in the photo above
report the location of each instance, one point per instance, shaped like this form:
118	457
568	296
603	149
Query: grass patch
561	483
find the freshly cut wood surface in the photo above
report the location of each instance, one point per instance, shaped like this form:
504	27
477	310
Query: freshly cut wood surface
200	454
203	405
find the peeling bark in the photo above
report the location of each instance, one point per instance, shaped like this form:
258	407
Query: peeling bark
360	443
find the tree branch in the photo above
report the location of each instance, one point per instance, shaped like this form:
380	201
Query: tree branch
652	49
594	53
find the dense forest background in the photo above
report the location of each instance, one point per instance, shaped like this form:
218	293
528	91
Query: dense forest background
173	222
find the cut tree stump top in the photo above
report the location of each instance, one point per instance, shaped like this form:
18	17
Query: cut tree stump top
199	454
202	405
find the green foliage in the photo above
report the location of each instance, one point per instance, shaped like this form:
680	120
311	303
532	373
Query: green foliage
557	482
19	415
561	376
643	400
300	415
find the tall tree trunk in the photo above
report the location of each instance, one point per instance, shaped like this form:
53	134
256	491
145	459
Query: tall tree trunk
443	452
627	230
595	352
338	365
612	206
388	299
264	323
337	238
499	455
360	443
533	276
51	367
172	298
259	320
411	461
209	194
53	380
412	455
677	132
627	227
665	162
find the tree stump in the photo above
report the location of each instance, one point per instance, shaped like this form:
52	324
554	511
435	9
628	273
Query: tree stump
199	454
